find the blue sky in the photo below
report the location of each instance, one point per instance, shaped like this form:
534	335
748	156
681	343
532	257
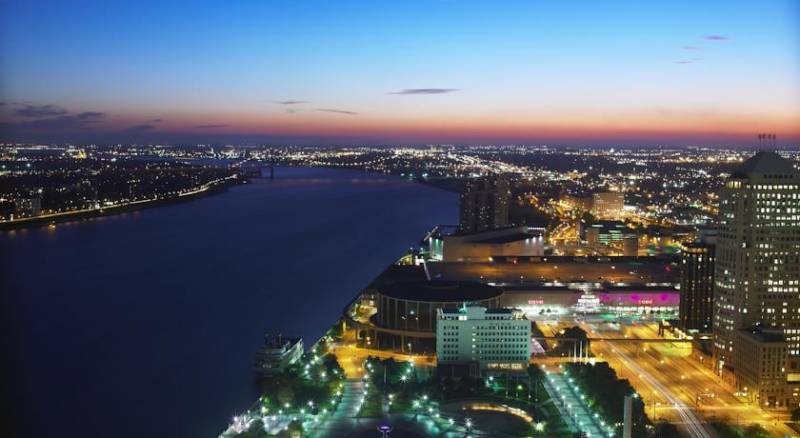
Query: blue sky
571	72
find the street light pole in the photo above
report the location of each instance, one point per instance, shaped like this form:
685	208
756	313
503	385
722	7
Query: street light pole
654	409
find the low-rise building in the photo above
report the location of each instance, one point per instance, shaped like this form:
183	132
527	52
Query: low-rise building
608	204
630	245
28	207
472	247
761	368
476	340
277	354
407	311
606	232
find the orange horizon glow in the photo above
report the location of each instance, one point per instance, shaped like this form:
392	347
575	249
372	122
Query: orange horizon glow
588	126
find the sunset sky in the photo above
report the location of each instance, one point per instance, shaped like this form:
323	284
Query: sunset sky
400	72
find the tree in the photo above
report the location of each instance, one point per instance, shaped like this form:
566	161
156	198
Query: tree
755	431
295	429
574	333
666	430
285	395
796	414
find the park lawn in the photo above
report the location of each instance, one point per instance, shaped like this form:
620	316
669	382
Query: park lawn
402	403
372	407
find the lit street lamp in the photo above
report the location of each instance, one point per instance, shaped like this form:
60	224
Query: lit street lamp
384	429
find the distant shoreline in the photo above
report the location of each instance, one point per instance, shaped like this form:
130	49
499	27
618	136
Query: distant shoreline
42	221
448	184
445	184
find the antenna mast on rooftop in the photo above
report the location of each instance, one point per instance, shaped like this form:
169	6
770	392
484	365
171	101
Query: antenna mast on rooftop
767	140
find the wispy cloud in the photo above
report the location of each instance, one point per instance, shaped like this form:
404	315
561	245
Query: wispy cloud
156	121
90	116
417	91
141	128
39	111
686	61
337	111
64	123
716	38
289	102
691	48
212	126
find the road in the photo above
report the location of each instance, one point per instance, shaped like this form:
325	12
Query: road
675	385
351	357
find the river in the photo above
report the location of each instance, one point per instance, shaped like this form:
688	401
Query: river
146	323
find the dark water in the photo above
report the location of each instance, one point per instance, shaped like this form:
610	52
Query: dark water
146	323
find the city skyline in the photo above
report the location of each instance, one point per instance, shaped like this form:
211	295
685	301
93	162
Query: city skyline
421	218
414	73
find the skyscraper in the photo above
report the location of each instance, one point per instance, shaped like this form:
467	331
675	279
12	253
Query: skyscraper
484	204
757	276
697	286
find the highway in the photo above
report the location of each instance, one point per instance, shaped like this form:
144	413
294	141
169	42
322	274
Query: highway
675	384
689	420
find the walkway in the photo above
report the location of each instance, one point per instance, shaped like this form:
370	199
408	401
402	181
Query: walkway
344	418
574	410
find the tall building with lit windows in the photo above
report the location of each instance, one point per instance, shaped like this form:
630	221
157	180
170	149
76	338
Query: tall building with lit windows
484	204
697	287
757	278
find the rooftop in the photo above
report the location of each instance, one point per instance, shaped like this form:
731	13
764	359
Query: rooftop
764	162
440	291
540	270
502	310
398	273
507	238
477	313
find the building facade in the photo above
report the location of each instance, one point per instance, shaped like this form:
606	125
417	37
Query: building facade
608	205
484	204
407	311
697	287
482	246
757	266
606	232
763	375
483	340
630	245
